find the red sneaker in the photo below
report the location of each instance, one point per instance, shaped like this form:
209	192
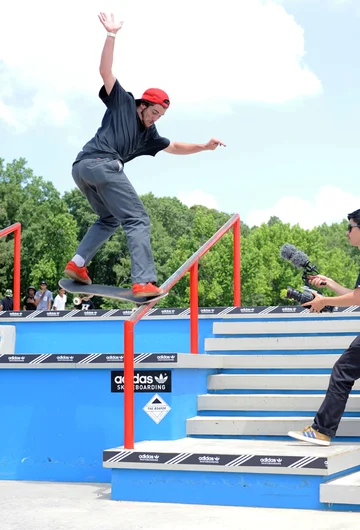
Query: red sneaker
80	274
148	289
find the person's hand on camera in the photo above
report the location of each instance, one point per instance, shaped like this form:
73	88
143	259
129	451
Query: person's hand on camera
317	304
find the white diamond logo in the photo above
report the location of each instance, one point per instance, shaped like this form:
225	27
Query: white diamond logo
157	408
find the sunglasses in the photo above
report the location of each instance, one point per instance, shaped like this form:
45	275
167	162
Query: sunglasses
350	227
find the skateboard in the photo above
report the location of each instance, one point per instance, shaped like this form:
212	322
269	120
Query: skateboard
107	291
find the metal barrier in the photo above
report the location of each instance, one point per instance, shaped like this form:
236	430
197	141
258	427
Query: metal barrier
16	228
190	265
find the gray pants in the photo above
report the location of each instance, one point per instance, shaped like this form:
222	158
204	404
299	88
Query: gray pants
113	198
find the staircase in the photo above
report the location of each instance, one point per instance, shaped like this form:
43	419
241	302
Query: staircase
273	386
273	378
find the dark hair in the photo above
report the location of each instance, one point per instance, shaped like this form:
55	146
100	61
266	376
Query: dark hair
144	102
150	103
354	215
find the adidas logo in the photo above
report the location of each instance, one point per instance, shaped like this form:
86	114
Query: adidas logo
209	459
161	379
271	460
148	457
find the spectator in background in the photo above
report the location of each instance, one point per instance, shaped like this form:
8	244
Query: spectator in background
7	303
29	303
60	300
86	304
43	298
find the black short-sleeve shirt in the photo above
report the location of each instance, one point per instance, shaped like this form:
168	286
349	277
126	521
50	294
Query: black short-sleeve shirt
86	305
29	306
357	282
121	134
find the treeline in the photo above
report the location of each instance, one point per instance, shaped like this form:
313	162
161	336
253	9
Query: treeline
53	224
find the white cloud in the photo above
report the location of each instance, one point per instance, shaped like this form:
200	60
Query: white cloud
329	205
197	197
327	3
341	2
201	52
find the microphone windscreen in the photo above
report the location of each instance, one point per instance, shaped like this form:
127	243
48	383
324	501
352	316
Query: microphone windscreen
300	259
287	251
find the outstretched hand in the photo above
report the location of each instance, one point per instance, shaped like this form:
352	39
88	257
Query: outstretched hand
109	22
212	144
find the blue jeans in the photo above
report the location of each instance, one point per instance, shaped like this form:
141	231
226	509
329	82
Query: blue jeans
113	198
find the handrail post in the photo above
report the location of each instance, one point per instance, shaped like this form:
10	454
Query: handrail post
237	272
128	384
194	308
16	228
17	243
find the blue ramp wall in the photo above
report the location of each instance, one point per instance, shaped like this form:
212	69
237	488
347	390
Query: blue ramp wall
106	336
57	422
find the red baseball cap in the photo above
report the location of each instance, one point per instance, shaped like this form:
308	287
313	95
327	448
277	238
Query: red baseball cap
155	95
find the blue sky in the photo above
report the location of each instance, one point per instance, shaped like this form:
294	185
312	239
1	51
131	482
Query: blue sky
277	81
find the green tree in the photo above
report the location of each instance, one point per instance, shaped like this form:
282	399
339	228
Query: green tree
49	232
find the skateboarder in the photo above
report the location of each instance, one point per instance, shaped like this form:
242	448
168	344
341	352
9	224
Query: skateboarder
127	131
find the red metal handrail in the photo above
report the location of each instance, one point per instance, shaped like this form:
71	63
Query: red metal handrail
16	228
190	265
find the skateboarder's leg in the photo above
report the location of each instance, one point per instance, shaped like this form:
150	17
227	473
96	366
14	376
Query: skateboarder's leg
105	226
124	204
99	232
112	196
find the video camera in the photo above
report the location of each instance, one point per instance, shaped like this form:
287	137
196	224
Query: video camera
300	260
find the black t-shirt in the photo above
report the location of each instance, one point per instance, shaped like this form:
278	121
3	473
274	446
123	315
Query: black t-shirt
85	305
29	306
7	303
357	282
121	134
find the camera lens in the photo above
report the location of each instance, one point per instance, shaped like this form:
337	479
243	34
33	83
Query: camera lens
299	296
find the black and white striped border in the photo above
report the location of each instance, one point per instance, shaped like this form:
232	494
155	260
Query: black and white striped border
201	459
83	359
168	312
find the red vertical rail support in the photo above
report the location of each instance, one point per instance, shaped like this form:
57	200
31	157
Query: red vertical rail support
194	309
17	244
237	272
16	228
128	384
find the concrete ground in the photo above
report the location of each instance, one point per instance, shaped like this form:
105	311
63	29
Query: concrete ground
69	506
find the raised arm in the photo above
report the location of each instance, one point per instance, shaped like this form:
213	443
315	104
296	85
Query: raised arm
112	27
181	148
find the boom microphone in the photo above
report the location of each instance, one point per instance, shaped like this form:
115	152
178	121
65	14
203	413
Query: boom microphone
287	251
295	256
300	259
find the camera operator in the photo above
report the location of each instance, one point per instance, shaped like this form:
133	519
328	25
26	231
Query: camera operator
346	370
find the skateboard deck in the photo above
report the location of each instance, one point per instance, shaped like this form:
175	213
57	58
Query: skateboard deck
106	291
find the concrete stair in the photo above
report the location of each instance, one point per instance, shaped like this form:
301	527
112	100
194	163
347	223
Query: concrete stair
281	381
271	376
275	426
232	473
258	394
268	402
285	343
342	491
